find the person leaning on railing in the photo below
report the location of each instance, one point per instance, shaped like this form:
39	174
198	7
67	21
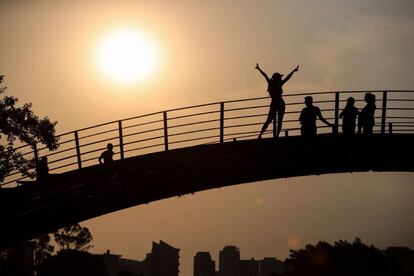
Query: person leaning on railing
308	117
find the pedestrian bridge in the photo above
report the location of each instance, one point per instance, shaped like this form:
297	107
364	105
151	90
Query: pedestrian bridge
186	150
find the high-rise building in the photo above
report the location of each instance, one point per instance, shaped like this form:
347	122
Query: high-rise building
162	261
229	261
271	266
204	265
249	268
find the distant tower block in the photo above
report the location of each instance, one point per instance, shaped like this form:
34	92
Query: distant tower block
204	265
229	263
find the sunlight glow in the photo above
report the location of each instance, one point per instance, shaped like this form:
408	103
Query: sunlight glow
126	56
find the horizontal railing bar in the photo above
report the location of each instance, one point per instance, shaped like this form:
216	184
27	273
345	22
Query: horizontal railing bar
146	147
253	134
97	142
247	116
59	152
194	139
142	132
245	132
96	150
91	159
244	108
15	180
193	131
143	124
193	106
63	166
400	100
242	137
244	125
61	159
302	103
13	173
98	133
143	140
406	130
193	115
195	123
113	122
22	146
96	158
399	108
59	144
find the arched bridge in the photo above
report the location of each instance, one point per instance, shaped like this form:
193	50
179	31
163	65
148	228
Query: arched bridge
185	150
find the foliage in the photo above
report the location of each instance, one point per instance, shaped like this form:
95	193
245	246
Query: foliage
73	237
342	258
21	124
17	260
42	249
71	262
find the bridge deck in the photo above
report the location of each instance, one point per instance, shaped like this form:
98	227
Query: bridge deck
37	208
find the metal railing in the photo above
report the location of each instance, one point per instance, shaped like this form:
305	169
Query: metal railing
217	122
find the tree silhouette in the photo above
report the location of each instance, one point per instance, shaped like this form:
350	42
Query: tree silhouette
343	258
71	262
73	237
20	123
43	249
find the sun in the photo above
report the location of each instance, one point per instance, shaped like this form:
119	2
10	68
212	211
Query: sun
126	56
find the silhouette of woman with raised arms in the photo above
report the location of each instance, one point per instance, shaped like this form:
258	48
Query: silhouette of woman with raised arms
274	87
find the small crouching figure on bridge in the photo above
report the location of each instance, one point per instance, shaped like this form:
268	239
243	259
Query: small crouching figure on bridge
366	119
107	155
277	104
42	170
349	115
308	118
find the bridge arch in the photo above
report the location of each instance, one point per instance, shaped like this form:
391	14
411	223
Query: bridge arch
226	157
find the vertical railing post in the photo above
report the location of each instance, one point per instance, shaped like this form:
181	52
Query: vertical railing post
35	152
78	154
165	130
121	140
390	128
336	124
221	122
384	111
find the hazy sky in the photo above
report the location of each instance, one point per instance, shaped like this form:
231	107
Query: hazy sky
208	50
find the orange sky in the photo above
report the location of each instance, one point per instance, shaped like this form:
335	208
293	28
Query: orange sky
207	53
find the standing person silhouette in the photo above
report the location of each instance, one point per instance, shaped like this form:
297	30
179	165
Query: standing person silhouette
366	119
107	155
308	118
274	87
349	115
